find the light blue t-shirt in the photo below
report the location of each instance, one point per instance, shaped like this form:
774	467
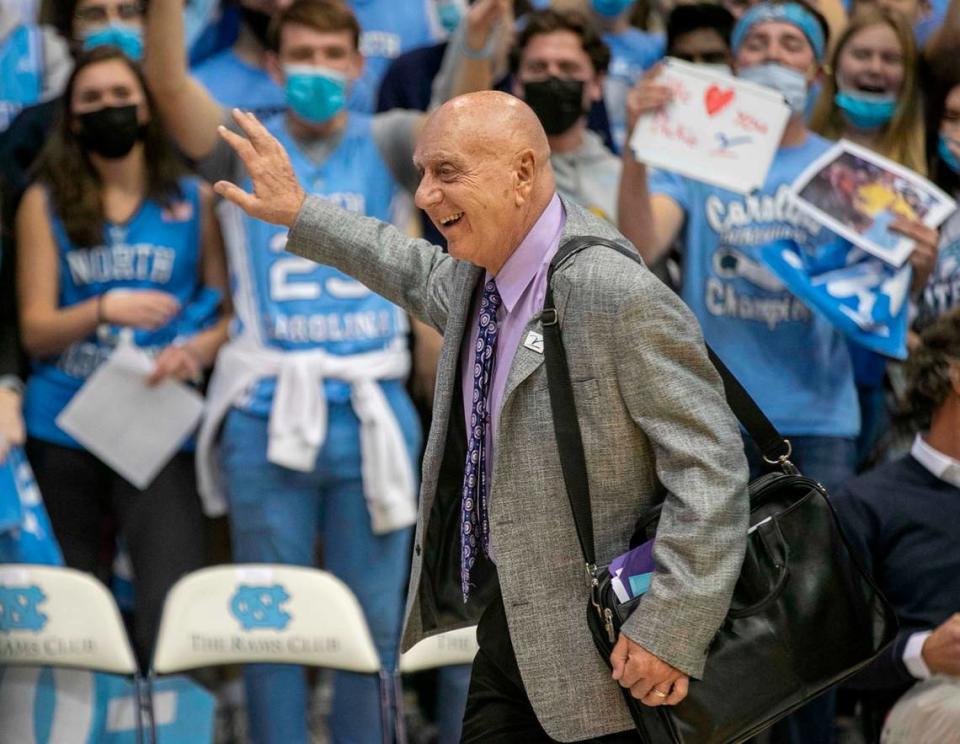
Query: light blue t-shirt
388	29
632	52
791	359
21	71
234	83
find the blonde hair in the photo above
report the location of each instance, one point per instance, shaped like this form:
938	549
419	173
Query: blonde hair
904	138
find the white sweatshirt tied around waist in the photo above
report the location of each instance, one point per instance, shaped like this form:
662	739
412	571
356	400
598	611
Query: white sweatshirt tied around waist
298	421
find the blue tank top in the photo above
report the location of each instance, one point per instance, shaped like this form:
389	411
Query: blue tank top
389	28
157	248
21	71
294	304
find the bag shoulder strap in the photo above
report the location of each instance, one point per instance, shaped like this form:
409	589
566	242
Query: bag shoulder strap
563	406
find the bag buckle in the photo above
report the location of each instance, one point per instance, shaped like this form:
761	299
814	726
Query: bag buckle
549	316
784	460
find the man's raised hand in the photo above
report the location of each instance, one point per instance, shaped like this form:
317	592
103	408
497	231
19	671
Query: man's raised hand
277	195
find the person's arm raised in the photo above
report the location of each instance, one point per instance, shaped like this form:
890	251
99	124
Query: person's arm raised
649	222
476	52
190	114
410	273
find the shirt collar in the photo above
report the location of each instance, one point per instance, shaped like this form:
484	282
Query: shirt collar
526	261
940	465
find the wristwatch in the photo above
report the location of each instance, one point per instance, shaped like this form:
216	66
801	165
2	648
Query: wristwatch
12	382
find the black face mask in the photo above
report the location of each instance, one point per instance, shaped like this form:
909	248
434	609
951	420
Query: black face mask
257	22
557	103
111	131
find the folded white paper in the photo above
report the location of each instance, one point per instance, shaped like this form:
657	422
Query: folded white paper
134	428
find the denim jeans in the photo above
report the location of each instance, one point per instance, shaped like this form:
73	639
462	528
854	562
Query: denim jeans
831	461
276	515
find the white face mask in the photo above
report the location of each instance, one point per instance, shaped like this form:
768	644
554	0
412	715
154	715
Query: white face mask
789	83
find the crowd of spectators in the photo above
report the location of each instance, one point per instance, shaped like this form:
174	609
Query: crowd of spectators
318	390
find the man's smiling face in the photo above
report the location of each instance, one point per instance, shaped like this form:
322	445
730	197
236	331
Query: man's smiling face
468	189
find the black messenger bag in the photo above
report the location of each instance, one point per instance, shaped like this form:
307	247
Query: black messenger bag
804	615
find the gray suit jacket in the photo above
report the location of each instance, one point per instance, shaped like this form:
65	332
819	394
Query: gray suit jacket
652	412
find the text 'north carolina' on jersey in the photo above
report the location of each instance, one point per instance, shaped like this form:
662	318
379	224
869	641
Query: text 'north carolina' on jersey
294	304
157	248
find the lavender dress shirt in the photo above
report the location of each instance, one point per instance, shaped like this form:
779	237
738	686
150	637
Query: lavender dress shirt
522	283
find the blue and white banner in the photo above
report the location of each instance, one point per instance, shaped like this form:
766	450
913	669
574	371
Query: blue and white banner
25	532
68	706
863	296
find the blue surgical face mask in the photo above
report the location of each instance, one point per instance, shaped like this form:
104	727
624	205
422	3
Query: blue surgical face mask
448	13
789	83
866	110
951	160
610	8
315	94
127	39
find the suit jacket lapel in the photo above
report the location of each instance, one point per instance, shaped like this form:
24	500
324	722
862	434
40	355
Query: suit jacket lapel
455	334
527	361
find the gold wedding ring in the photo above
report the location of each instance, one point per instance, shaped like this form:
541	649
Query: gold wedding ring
660	693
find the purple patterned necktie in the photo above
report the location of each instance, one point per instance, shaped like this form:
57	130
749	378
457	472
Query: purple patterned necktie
474	525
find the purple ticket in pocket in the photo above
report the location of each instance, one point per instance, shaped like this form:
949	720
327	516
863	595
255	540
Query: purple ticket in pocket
632	571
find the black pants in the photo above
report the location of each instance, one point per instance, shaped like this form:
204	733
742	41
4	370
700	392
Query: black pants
162	527
498	709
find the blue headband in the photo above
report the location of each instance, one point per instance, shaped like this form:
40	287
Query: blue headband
787	13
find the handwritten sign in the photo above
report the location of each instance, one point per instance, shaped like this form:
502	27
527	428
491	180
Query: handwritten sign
716	128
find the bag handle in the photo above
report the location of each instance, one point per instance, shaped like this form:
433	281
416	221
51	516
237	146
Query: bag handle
775	449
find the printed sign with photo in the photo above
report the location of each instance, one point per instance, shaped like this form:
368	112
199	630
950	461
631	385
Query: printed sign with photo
716	129
859	195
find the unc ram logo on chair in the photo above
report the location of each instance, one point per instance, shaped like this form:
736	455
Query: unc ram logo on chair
19	608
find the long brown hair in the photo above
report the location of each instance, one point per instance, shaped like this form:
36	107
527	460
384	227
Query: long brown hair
903	139
72	182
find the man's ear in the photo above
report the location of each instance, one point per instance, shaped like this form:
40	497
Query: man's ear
357	64
953	372
524	173
275	69
594	89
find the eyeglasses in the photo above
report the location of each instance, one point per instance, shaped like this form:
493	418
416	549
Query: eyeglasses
127	11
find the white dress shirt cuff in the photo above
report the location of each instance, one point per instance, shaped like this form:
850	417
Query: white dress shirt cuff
913	655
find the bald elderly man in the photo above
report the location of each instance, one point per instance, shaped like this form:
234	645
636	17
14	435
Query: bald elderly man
495	540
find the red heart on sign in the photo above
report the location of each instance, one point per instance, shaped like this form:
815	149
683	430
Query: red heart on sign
716	99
